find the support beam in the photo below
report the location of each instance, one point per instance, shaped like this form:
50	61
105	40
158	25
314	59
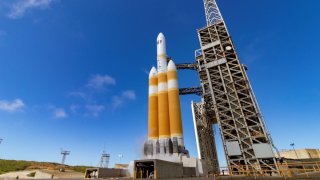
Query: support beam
192	90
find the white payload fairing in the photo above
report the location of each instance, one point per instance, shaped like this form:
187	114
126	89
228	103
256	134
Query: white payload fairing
165	134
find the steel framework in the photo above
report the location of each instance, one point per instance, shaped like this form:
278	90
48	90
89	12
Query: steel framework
228	93
228	100
187	66
192	90
213	14
206	145
104	161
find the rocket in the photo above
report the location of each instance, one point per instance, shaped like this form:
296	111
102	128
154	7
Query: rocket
153	126
174	105
153	123
163	101
165	134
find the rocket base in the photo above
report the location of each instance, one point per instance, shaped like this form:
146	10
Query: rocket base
166	153
165	147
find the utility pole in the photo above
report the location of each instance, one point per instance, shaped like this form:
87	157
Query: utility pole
64	156
292	144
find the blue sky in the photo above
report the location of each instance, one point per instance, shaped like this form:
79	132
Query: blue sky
73	73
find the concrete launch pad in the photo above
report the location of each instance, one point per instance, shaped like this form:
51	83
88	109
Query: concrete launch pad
157	168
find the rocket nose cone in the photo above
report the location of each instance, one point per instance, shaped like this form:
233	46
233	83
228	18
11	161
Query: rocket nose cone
161	36
153	72
171	65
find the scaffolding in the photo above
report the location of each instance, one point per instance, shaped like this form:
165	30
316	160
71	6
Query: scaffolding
206	145
229	100
104	160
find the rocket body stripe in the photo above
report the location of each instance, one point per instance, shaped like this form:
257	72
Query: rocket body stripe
153	124
172	84
172	74
162	78
153	82
153	90
162	87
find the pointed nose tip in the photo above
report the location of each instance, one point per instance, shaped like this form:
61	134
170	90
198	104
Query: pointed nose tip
160	36
153	72
171	65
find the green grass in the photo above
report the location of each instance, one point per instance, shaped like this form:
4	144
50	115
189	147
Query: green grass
11	165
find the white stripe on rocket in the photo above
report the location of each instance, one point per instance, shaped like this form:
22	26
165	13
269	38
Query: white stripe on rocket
153	90
162	87
173	84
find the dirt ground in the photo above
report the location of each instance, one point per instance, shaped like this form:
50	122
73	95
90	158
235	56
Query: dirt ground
42	174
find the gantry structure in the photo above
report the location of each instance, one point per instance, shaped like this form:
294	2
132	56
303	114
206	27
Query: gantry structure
228	101
104	160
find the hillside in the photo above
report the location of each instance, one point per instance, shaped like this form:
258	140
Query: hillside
14	165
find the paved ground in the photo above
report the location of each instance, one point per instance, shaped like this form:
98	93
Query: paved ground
46	175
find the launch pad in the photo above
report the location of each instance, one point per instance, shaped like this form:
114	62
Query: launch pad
164	168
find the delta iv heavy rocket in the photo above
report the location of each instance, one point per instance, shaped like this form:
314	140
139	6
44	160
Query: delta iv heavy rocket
165	133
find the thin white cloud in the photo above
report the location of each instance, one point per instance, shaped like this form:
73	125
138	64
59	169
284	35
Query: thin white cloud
79	94
11	106
59	113
18	9
94	110
100	81
127	95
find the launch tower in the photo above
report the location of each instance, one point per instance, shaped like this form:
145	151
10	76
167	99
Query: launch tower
227	100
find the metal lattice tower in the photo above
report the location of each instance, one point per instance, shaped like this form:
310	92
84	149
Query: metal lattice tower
228	100
64	156
205	137
104	162
212	11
